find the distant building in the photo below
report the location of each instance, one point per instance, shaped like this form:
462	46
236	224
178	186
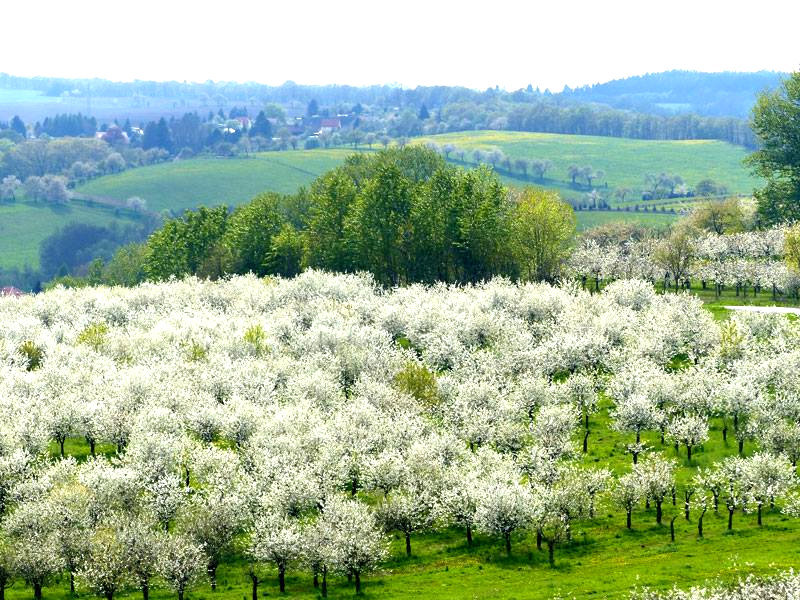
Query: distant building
328	125
11	291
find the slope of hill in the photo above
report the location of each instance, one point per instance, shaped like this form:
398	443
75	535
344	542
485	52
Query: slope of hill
24	225
625	162
185	184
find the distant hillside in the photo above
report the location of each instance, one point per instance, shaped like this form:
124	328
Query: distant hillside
709	94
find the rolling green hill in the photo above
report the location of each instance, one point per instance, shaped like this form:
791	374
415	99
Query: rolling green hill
23	226
210	181
624	161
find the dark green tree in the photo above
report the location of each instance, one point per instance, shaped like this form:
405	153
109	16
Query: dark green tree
776	123
19	126
250	231
378	225
182	246
261	126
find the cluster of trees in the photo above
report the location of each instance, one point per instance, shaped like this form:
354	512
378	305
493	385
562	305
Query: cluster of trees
403	214
711	246
66	125
70	161
776	122
585	119
295	424
714	94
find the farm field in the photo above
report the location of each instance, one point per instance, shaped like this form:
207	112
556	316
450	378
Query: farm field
586	219
625	161
189	183
23	226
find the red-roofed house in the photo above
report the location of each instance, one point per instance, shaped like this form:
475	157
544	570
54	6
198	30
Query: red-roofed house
11	291
330	125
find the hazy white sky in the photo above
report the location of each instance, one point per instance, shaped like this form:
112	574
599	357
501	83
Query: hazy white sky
411	42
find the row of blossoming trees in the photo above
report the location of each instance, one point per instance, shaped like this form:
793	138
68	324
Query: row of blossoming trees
297	422
742	261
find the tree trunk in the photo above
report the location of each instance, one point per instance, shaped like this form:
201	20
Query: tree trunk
358	582
37	591
586	421
91	446
658	511
725	432
324	582
741	446
408	543
254	587
551	552
146	590
628	519
187	476
71	583
180	594
759	514
689	453
469	535
316	581
672	528
282	580
61	443
586	441
700	523
109	595
538	539
508	543
730	519
353	487
212	576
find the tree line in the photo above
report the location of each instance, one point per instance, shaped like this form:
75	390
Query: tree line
402	214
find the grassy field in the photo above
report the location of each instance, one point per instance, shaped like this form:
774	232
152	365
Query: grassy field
23	226
625	161
588	219
211	181
604	560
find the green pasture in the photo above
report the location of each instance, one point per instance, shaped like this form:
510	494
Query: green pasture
177	185
23	226
625	161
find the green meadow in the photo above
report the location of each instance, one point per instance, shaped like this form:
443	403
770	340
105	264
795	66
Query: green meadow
624	161
24	225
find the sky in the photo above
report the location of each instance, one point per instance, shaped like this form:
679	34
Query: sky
407	42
